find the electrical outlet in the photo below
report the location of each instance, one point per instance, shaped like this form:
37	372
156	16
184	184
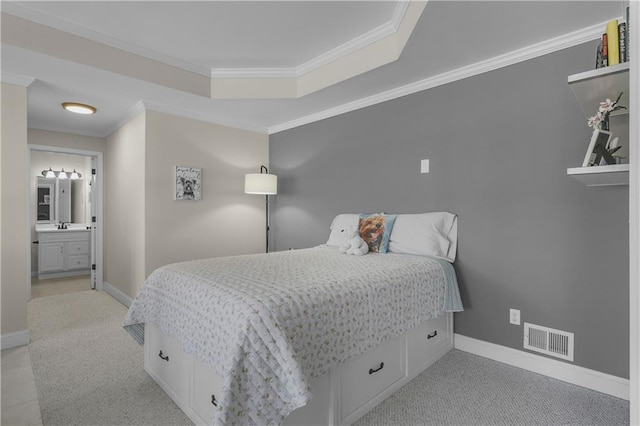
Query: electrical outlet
514	316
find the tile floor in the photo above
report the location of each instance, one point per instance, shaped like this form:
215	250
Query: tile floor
19	397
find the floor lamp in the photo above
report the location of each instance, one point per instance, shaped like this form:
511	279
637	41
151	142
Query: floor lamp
262	184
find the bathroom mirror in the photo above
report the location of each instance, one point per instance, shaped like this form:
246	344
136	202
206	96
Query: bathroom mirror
61	200
45	200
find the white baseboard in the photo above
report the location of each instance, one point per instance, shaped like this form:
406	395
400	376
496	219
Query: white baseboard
13	340
117	294
590	379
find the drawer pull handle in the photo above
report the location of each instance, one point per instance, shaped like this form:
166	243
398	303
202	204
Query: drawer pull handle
371	370
213	401
431	336
165	357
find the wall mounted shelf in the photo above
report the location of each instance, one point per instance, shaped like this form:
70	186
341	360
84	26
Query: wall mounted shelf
590	88
594	86
615	174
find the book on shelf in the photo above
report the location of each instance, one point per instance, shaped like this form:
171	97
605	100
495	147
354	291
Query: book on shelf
599	60
626	37
613	48
622	41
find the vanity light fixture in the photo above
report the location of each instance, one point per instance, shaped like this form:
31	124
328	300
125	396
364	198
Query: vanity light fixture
61	174
79	108
49	173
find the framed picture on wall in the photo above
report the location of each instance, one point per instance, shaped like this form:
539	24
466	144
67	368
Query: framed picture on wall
597	146
188	183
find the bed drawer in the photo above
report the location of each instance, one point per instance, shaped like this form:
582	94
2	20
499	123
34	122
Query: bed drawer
425	341
166	363
206	387
369	374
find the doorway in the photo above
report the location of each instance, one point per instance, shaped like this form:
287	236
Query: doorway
67	241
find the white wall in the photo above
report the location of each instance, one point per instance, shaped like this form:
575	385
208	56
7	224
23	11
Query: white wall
146	228
66	140
124	207
226	221
14	222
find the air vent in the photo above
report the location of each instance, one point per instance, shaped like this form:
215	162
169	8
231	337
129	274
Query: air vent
548	341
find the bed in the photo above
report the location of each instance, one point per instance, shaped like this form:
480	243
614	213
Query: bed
284	337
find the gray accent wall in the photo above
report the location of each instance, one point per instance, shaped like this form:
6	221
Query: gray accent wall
499	144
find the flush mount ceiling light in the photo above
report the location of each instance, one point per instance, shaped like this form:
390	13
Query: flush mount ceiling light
78	108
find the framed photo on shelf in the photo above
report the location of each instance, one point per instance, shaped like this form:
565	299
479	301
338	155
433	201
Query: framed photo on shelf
188	183
597	145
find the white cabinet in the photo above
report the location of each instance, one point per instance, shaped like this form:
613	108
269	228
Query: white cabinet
63	253
590	88
51	257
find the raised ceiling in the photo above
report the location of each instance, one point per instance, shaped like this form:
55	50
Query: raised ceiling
167	56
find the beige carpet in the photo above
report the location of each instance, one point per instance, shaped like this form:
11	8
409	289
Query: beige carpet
88	370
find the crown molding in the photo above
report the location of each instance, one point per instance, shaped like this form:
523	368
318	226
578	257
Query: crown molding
142	106
520	55
207	118
136	110
254	73
23	11
26	12
15	79
371	50
385	30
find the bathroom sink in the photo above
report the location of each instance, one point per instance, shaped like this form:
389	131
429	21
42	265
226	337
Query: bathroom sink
51	227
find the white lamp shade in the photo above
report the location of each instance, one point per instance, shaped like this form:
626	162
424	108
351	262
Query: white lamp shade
260	183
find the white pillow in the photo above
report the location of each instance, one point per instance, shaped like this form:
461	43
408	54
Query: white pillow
340	222
432	234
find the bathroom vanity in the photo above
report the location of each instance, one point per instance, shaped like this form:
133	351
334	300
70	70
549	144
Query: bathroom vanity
63	252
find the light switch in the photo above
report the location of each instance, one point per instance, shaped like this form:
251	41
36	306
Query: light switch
424	166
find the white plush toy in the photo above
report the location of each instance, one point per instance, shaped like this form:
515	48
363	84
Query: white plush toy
354	244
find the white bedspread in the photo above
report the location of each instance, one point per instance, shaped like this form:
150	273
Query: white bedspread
268	323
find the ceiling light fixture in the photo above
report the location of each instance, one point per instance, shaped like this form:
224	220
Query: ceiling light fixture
79	108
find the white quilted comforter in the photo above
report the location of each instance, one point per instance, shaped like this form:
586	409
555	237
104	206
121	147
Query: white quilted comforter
268	323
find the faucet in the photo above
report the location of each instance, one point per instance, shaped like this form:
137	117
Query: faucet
62	225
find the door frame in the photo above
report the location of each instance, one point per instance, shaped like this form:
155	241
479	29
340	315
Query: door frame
99	200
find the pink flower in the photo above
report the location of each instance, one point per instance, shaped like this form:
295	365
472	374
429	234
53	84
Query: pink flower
594	122
607	106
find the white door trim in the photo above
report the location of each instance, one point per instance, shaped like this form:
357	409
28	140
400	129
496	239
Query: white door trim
99	156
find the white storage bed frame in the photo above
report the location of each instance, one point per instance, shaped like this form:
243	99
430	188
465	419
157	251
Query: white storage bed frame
340	397
273	320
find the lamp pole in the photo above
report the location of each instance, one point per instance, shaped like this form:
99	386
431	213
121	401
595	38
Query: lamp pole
266	197
262	183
